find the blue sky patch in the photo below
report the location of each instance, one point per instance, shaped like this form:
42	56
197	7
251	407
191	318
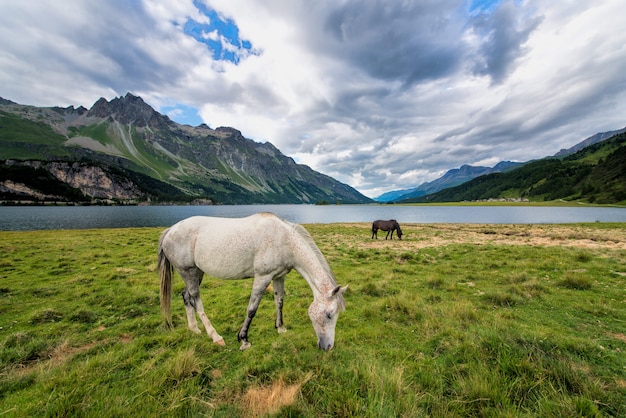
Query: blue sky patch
220	35
476	7
182	114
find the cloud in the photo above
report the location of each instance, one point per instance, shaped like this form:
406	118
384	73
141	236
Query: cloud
380	95
503	34
409	42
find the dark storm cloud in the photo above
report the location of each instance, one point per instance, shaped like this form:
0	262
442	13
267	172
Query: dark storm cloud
504	35
408	42
119	34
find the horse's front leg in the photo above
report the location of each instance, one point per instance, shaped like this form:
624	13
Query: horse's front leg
211	332
279	298
259	286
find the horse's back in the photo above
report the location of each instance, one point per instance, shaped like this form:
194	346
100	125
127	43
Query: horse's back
216	232
384	225
211	224
226	247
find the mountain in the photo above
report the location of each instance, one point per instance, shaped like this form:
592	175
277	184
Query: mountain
594	174
465	173
124	151
452	178
594	139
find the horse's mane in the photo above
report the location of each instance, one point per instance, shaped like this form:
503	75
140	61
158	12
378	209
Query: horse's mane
309	240
304	234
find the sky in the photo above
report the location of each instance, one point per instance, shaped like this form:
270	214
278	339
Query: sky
381	95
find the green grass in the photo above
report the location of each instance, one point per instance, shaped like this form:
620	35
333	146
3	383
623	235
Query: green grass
435	326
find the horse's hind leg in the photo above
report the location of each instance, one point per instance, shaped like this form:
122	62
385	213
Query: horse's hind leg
193	304
279	297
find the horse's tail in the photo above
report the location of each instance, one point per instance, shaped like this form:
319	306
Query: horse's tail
165	274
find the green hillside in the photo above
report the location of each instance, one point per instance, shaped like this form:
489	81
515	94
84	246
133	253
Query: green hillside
596	174
26	139
124	151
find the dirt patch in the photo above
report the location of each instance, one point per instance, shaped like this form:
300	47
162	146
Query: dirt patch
434	235
64	352
60	354
260	401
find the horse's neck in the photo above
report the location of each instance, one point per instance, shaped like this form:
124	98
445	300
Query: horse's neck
314	270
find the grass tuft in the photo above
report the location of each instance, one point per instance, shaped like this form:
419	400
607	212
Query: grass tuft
269	399
435	283
583	257
183	365
501	299
46	316
371	289
84	316
576	282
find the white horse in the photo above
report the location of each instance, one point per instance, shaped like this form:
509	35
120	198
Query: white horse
262	246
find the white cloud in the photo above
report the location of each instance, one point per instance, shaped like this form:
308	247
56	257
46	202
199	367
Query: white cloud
379	95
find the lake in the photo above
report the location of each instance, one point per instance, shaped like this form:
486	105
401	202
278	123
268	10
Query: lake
21	218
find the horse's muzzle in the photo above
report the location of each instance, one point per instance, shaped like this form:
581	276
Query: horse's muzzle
323	345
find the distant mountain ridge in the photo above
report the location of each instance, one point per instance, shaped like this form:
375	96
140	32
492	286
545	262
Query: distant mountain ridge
465	173
593	139
125	141
451	178
594	174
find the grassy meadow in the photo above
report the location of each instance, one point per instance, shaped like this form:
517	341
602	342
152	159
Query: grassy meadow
454	320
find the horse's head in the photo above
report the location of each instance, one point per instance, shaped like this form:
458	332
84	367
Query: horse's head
324	312
399	231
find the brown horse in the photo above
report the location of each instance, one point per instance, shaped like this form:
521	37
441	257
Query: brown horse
389	226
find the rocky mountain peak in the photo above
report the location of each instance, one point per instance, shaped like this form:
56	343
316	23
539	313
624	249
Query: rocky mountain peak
70	110
6	102
129	109
228	130
180	162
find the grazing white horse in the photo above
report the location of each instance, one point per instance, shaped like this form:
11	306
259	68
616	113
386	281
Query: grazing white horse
261	246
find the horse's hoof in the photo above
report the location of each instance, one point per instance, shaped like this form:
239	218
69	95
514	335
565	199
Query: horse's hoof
281	330
220	342
245	345
196	330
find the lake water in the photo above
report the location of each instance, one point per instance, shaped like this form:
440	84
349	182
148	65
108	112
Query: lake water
17	218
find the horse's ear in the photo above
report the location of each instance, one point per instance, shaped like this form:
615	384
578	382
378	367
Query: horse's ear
339	290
